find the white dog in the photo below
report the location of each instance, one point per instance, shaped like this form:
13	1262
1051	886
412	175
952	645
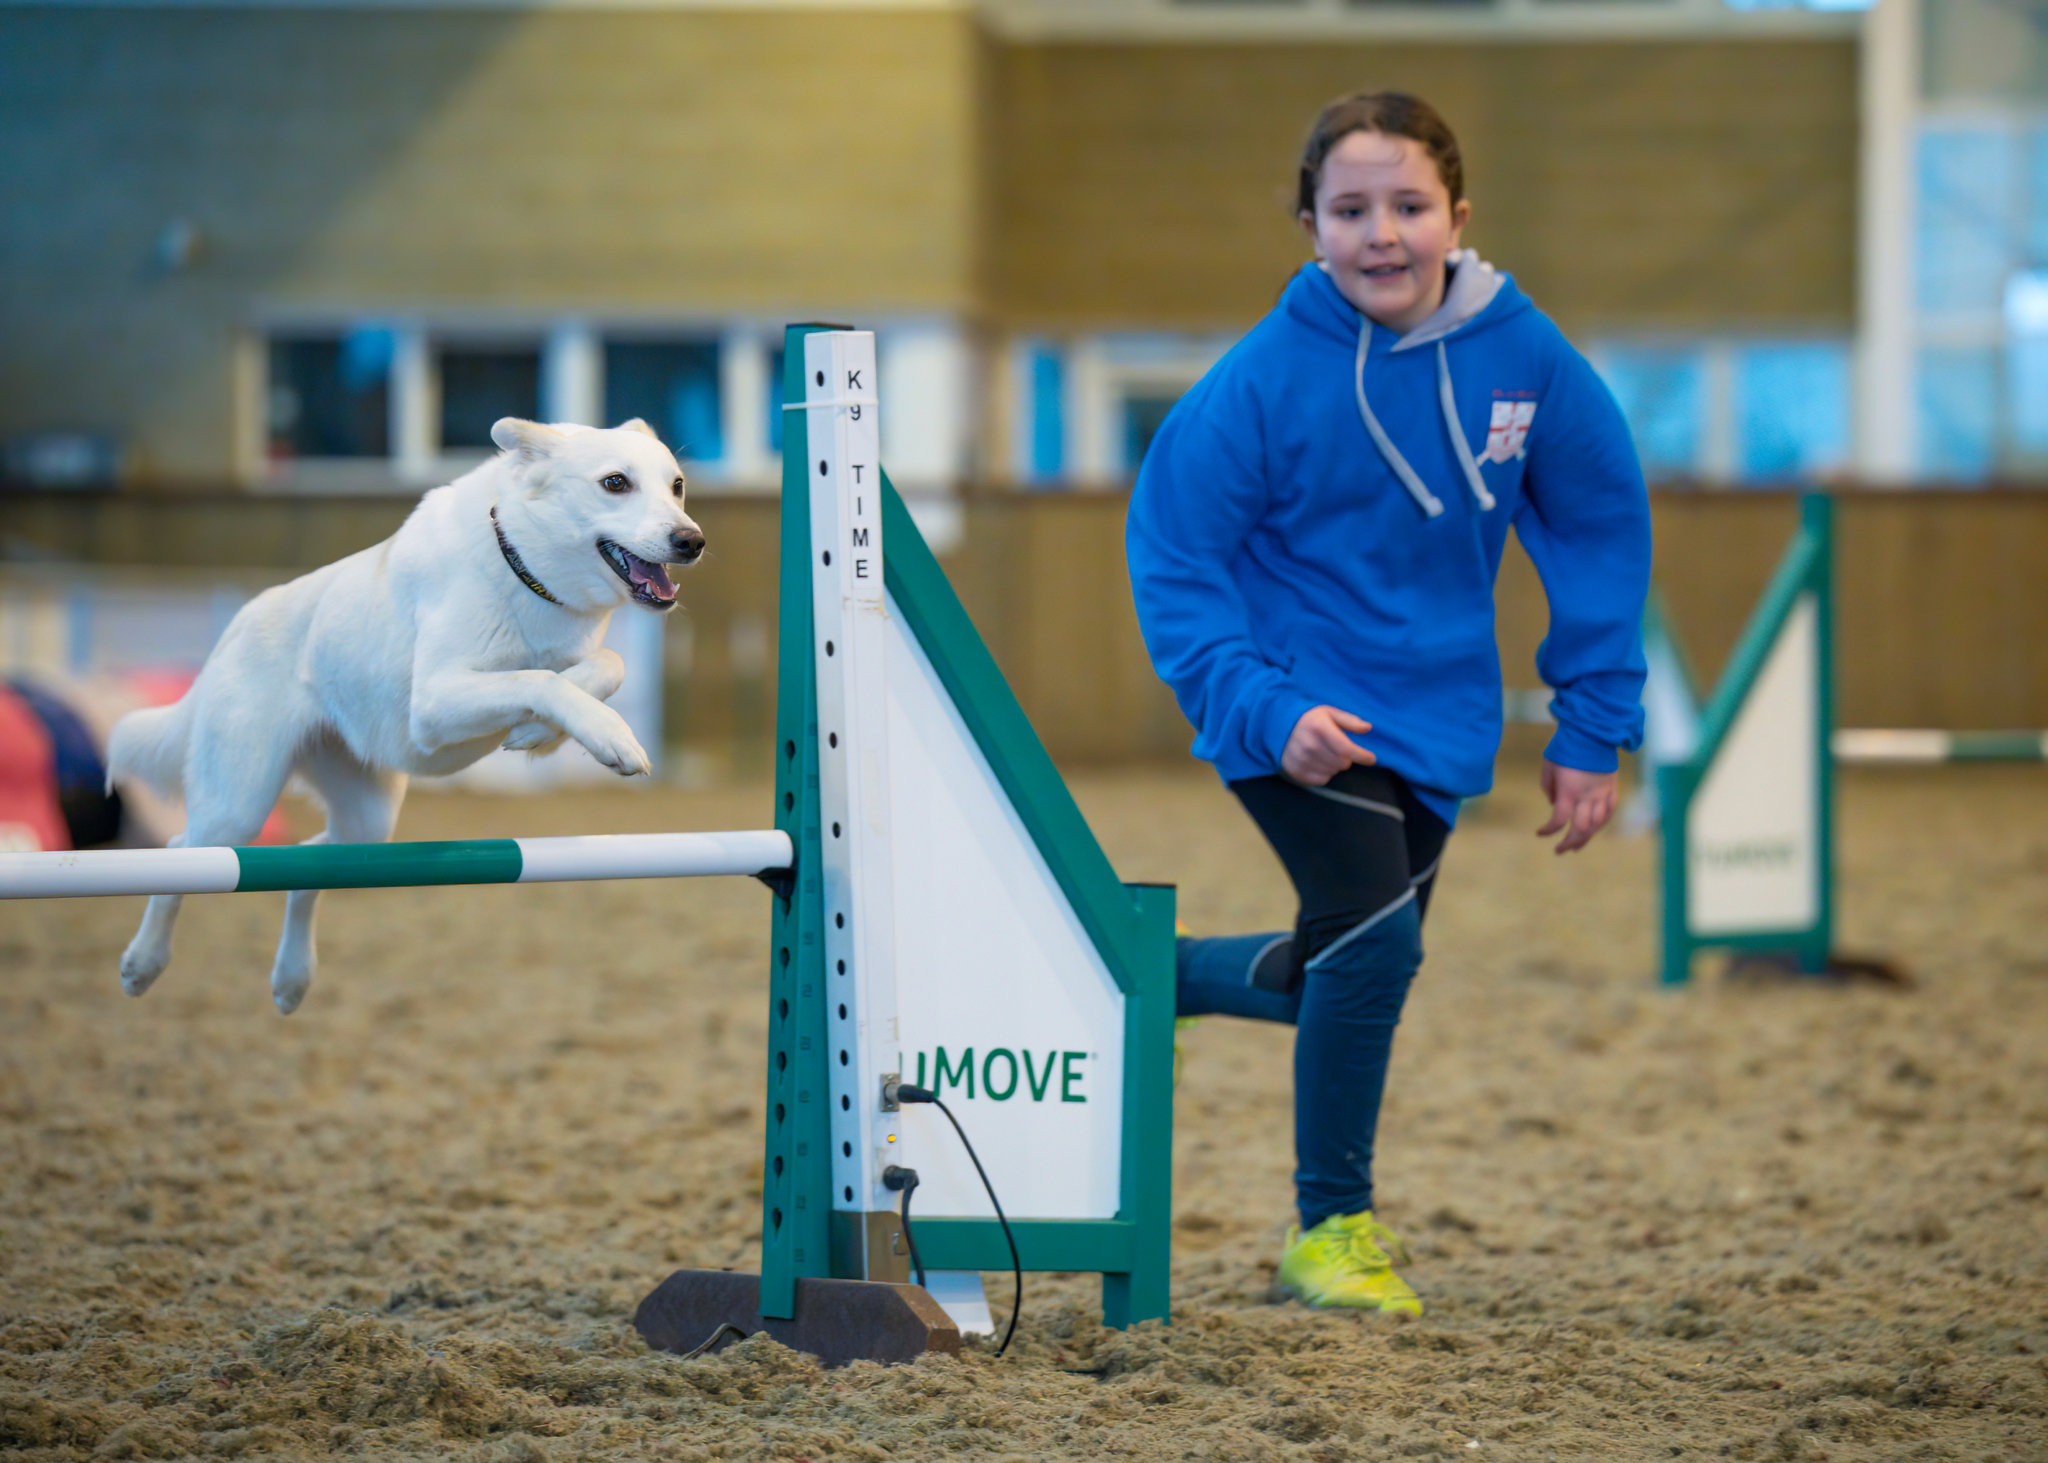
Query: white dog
479	624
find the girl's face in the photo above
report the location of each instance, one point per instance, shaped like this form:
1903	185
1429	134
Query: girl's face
1383	224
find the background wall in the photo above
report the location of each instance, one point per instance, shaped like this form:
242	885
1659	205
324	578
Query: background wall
497	161
1655	185
1936	592
521	165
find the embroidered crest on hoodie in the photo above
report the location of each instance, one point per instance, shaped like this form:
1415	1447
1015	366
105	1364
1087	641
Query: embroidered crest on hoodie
1507	433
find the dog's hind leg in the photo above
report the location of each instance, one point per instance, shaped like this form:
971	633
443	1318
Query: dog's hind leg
149	953
229	791
362	807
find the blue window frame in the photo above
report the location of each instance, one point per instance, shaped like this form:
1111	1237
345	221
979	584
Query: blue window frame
1048	407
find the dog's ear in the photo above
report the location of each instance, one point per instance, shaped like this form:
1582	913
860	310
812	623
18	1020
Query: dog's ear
529	441
636	424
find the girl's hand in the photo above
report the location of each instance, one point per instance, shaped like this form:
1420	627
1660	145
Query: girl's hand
1318	747
1580	802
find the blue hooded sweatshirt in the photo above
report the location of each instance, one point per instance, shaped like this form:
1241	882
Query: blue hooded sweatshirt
1319	521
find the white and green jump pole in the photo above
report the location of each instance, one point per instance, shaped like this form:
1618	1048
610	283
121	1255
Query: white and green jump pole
1919	746
943	916
764	854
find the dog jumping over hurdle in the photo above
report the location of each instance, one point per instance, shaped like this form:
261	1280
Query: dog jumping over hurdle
479	624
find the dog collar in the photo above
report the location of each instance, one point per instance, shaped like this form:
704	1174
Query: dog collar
518	564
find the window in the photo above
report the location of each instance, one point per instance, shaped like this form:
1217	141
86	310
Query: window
1661	390
1792	409
2026	327
1958	411
478	386
1143	414
1967	183
350	409
1981	295
1748	411
673	387
330	396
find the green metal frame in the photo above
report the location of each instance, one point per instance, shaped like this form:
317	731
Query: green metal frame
1130	924
1806	569
796	1173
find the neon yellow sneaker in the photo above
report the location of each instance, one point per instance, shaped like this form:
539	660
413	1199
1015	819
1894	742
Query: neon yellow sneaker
1348	1260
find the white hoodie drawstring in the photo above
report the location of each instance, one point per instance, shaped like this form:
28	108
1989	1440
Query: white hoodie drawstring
1430	504
1427	501
1450	405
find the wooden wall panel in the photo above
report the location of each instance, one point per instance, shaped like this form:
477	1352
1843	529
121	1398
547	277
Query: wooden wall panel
1647	185
1045	578
1942	610
1942	601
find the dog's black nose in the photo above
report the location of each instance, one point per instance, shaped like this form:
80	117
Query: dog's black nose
688	544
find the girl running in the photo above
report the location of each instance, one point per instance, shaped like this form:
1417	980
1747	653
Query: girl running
1313	542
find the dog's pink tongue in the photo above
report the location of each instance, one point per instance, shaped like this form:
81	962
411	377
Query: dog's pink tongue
652	576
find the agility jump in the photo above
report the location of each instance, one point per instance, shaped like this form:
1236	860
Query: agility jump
764	854
941	907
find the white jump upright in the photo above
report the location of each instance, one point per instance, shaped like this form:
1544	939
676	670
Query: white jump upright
850	629
953	923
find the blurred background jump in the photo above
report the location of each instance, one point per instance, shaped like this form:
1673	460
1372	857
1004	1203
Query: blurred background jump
944	917
1745	785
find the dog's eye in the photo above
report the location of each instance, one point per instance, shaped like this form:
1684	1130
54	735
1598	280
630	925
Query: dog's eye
615	482
677	487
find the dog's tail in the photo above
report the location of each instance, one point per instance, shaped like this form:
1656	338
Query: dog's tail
148	746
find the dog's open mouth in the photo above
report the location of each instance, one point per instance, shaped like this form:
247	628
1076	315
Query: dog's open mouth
649	583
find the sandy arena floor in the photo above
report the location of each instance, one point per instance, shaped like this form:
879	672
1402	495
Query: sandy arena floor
1747	1220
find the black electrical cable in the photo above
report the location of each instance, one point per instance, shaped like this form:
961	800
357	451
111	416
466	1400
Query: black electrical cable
905	1092
715	1337
905	1180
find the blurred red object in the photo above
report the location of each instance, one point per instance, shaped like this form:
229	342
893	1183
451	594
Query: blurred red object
30	818
161	688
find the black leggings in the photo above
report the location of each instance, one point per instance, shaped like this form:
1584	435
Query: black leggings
1362	853
1352	847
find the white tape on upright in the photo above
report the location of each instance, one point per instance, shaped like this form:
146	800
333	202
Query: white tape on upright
850	629
651	855
118	871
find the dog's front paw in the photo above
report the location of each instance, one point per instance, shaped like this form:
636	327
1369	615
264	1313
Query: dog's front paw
533	736
617	748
